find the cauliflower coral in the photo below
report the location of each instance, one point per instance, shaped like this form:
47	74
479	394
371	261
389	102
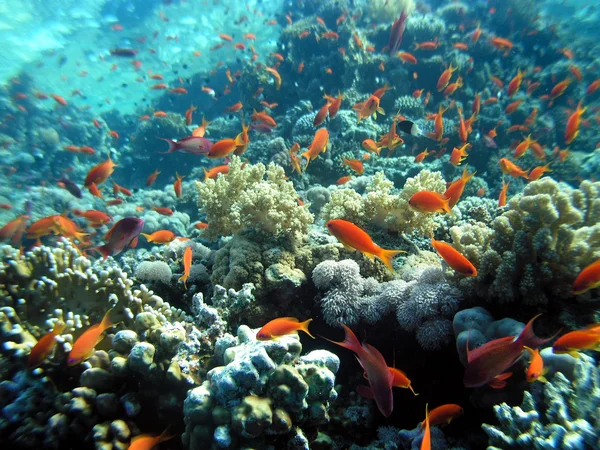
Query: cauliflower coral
245	199
382	208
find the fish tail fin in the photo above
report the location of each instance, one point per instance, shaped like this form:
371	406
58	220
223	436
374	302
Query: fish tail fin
350	341
172	146
528	337
446	206
304	327
106	322
184	279
166	435
466	176
386	257
147	236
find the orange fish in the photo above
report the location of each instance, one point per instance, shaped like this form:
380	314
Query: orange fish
523	147
336	103
159	114
455	191
407	57
574	341
430	202
593	87
95	191
152	178
281	327
356	238
201	130
60	100
276	77
44	346
370	108
537	172
163	211
512	107
444	78
179	91
235	108
189	113
378	374
370	146
572	130
83	348
201	226
451	88
559	89
343	180
263	117
426	441
515	83
187	264
148	441
421	156
443	415
321	115
100	173
14	230
510	168
177	185
438	133
354	164
120	189
502	197
458	155
93	216
536	370
502	44
42	227
160	237
317	146
223	148
588	278
215	171
456	260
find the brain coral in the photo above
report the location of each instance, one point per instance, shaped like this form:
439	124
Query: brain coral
244	199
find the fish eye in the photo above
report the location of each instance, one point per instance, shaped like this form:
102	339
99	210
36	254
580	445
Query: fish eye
470	271
328	225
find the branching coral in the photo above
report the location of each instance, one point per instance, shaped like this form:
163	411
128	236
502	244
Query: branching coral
534	250
559	414
380	207
244	199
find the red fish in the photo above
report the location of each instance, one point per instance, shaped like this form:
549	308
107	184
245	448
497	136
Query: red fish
196	145
378	374
491	360
120	236
443	415
152	178
396	33
281	327
148	441
99	174
430	202
575	341
454	258
536	370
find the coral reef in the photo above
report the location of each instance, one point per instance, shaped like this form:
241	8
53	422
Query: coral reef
557	414
263	390
380	207
533	251
244	199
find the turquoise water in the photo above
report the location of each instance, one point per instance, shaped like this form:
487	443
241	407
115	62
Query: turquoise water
183	184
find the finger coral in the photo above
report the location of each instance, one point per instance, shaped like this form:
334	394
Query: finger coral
245	199
533	251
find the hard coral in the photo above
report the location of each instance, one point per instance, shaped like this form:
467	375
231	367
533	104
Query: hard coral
559	414
535	249
244	199
382	208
